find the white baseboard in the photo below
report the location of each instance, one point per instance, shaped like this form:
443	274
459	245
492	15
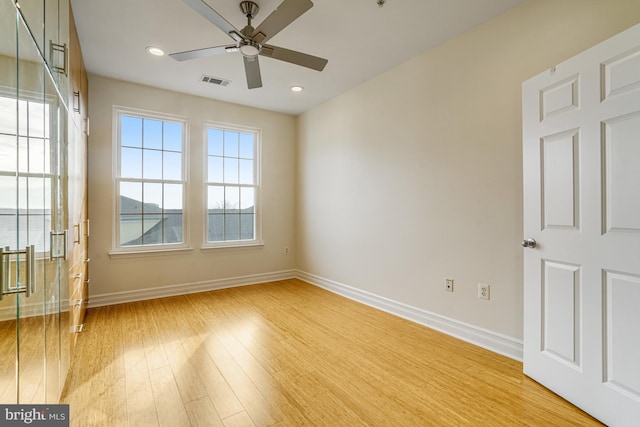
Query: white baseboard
186	288
496	342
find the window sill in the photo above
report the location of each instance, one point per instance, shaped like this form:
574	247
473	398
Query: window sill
149	252
232	246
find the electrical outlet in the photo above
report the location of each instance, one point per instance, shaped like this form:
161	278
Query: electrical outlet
483	291
448	284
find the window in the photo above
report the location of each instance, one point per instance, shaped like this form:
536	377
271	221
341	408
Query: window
150	181
232	186
26	175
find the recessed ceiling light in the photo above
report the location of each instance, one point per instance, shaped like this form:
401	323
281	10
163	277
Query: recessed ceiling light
297	88
155	51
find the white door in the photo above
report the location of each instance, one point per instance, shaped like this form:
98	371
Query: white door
581	152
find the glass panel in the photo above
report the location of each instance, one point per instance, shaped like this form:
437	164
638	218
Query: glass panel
130	198
130	230
172	165
152	198
8	152
214	140
230	170
215	169
152	134
246	146
215	228
247	199
8	119
172	198
232	227
246	171
172	136
215	199
131	163
230	144
152	231
131	131
231	199
246	226
172	228
8	190
152	164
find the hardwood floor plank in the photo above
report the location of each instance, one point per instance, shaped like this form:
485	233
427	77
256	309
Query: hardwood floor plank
169	407
202	413
290	354
239	420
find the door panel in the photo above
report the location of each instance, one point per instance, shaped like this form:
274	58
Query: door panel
32	132
581	163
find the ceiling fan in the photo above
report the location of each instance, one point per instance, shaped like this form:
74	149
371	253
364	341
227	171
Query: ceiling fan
251	42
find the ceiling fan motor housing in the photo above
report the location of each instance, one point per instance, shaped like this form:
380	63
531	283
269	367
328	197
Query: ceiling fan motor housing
249	9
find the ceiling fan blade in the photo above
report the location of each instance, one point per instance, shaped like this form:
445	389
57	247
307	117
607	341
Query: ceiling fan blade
212	16
200	53
298	58
285	14
252	70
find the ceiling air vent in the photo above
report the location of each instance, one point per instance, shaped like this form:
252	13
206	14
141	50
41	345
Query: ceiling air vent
215	80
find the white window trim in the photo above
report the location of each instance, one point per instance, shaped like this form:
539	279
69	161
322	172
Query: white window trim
257	242
117	112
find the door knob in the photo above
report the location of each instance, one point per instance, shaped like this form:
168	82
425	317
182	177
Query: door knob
528	243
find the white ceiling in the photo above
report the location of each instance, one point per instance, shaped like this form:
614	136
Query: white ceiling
360	40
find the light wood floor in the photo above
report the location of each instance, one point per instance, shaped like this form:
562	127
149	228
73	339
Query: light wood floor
290	354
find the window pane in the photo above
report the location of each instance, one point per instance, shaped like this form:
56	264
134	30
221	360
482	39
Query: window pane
214	140
246	226
130	230
246	171
131	163
37	119
152	135
8	186
215	169
230	171
232	227
152	198
39	195
152	228
215	228
38	155
246	146
172	137
231	199
230	144
215	199
152	165
7	151
172	228
247	200
172	165
131	132
173	198
8	115
130	197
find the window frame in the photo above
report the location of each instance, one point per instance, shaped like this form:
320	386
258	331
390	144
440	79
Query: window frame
117	248
257	186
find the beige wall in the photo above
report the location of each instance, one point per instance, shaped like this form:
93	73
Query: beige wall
112	275
416	175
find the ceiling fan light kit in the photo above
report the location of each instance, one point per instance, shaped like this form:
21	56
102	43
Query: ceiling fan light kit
250	41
